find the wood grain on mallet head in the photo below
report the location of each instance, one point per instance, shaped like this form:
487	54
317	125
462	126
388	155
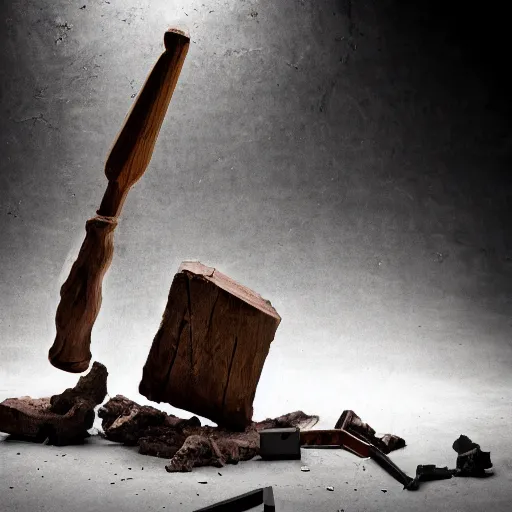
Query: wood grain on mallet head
210	348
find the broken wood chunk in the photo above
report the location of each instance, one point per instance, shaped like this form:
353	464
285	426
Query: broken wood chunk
161	442
210	446
208	354
352	423
293	419
196	451
124	421
60	420
389	443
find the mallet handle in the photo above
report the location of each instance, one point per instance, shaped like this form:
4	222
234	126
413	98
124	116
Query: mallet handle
81	294
133	148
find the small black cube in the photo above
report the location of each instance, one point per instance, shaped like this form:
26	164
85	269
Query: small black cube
280	444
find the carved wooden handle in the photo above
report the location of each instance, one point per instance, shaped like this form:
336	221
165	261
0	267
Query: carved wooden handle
81	294
80	297
133	148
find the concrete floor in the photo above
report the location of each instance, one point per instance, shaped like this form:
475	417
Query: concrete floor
89	478
350	161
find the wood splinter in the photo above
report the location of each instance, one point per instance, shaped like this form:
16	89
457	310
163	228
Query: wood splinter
208	354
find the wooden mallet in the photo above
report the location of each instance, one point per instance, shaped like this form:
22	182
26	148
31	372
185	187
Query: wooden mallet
80	295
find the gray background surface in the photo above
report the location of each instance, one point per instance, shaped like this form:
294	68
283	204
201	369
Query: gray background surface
348	161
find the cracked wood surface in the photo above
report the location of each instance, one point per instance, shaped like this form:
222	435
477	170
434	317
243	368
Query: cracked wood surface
209	351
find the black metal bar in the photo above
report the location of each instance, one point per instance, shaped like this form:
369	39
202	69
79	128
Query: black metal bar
245	502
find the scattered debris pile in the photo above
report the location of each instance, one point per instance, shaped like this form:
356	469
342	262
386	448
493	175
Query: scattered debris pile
185	442
66	418
60	420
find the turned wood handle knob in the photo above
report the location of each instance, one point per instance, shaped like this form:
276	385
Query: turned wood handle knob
129	157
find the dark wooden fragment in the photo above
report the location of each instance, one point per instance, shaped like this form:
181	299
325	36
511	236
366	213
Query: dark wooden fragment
293	419
124	421
352	423
208	354
59	420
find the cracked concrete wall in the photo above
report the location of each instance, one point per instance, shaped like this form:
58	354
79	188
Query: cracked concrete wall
340	158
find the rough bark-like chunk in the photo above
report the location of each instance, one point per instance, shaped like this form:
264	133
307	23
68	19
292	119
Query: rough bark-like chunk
59	420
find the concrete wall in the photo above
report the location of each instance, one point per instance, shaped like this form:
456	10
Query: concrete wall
348	161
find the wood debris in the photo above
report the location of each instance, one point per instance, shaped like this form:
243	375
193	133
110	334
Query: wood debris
185	442
60	420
